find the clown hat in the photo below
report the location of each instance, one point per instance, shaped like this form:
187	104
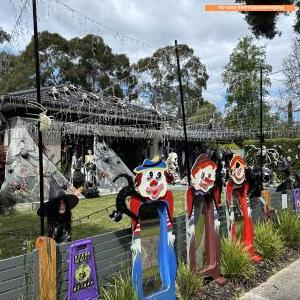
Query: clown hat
155	163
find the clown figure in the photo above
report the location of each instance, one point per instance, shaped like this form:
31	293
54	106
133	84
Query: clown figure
203	242
150	203
236	190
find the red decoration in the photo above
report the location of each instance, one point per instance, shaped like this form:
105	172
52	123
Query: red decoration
239	192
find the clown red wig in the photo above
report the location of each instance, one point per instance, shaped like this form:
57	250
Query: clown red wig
202	161
237	159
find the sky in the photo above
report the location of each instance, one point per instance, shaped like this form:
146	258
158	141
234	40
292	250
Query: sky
137	28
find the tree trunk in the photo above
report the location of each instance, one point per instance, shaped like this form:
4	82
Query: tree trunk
290	114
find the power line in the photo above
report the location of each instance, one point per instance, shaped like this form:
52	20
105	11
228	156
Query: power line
115	32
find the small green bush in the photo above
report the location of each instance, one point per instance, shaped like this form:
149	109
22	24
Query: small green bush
121	288
188	283
7	202
235	261
289	229
268	241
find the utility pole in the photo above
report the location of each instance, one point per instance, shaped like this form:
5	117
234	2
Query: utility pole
38	98
186	146
261	129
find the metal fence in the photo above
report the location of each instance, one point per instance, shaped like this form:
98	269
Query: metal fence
19	275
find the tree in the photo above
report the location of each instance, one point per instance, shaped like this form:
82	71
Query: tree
87	62
4	36
264	23
204	113
242	77
159	80
291	65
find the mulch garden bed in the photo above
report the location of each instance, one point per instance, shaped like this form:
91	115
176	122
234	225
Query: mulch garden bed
234	289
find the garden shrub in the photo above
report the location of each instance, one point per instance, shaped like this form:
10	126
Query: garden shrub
188	283
121	288
268	241
235	261
7	202
289	228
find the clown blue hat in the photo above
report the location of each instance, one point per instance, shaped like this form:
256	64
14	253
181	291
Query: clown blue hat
155	163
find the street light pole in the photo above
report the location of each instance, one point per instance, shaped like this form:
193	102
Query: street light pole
186	146
261	129
38	98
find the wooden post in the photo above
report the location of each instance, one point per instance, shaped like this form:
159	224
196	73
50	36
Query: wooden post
47	268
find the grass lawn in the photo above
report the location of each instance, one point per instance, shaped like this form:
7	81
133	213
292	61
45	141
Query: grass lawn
24	225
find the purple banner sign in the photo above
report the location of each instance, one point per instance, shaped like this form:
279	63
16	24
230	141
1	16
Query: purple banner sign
82	279
297	200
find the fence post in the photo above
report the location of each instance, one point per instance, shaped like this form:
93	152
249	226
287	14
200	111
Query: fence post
47	268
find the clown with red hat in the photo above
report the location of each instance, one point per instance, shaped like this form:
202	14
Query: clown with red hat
236	189
201	198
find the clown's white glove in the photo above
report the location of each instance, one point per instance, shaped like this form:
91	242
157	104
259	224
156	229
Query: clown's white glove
217	224
136	246
171	238
249	212
231	217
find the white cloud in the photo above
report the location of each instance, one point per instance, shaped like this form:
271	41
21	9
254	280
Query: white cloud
213	35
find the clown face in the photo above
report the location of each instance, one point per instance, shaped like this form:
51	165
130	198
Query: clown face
204	178
237	167
153	183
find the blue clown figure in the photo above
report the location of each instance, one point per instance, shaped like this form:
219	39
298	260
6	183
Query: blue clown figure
151	203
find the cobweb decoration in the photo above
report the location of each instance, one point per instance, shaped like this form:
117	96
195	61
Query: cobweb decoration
108	166
22	168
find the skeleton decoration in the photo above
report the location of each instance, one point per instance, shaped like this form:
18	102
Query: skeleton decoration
271	159
236	190
66	90
172	162
90	169
84	98
150	203
203	241
44	121
54	92
270	155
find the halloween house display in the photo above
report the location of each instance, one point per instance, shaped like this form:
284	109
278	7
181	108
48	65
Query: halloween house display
236	191
203	244
78	119
74	118
151	213
21	169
